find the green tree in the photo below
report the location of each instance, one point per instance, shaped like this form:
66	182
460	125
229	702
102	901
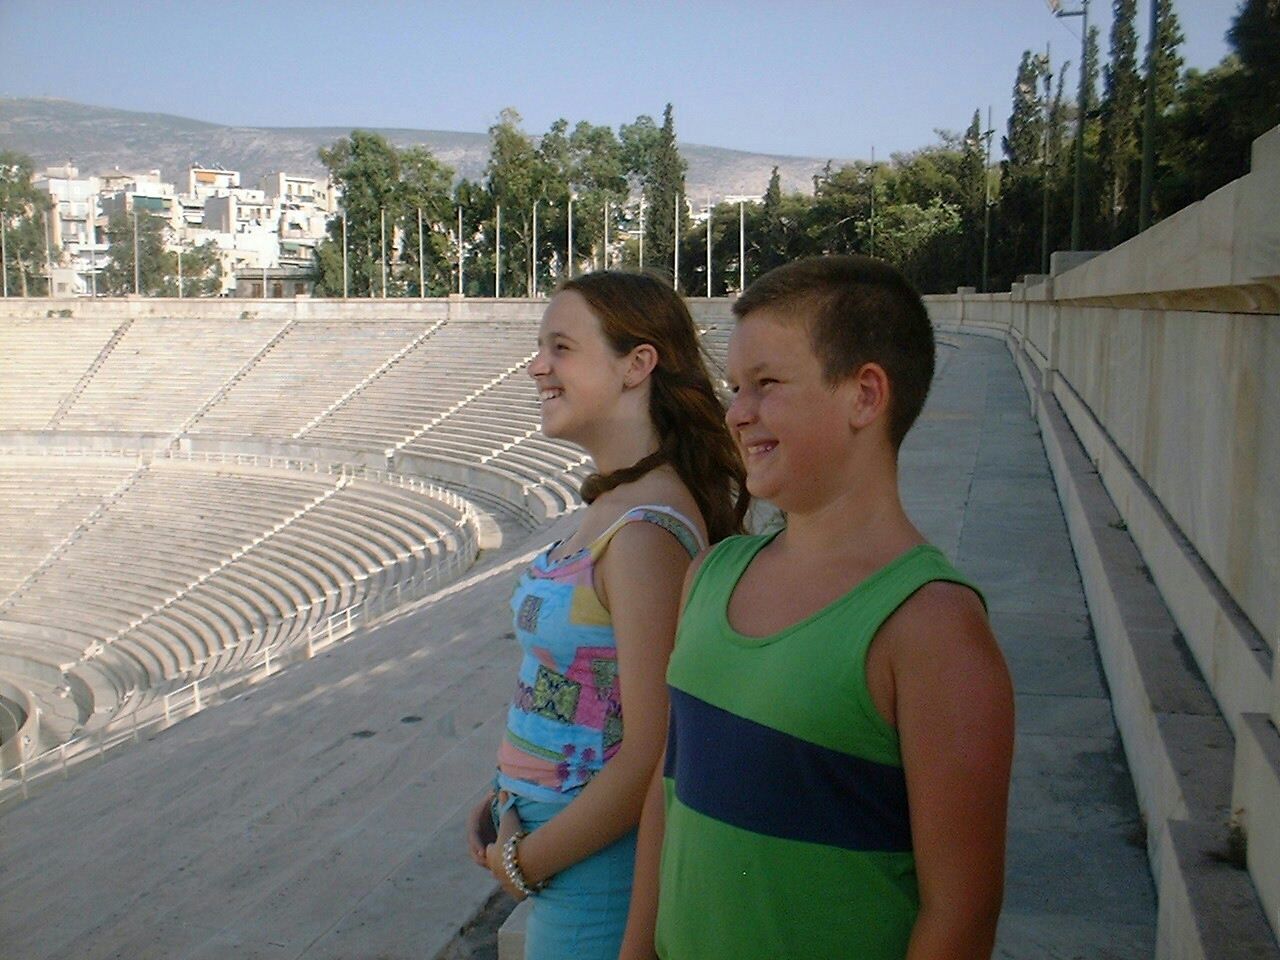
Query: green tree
518	176
1026	119
972	199
664	186
1121	112
1218	113
157	268
1015	241
366	169
22	217
773	242
383	188
199	274
842	210
597	172
639	143
424	187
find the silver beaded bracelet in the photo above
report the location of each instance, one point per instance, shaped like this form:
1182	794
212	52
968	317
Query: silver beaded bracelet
511	865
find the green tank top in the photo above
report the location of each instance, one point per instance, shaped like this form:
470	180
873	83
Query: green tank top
787	831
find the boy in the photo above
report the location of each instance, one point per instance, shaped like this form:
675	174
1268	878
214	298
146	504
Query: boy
837	768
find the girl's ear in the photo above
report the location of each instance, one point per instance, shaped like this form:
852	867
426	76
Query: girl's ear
640	363
869	396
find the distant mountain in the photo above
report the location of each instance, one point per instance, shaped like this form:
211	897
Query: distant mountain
99	139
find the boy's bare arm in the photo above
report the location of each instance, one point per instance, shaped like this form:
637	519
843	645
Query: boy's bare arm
953	705
642	918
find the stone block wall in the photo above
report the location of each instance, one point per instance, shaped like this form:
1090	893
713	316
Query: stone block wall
1162	356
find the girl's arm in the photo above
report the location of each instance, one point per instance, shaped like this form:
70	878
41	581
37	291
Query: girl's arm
640	576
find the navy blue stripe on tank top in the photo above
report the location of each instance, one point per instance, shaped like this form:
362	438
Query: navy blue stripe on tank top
760	779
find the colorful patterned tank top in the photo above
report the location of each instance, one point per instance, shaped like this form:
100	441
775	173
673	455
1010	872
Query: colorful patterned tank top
566	719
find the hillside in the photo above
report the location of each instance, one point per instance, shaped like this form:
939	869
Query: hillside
97	139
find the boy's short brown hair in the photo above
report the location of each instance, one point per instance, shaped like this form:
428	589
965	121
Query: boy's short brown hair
858	310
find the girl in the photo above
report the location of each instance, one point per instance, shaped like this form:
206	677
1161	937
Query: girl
620	373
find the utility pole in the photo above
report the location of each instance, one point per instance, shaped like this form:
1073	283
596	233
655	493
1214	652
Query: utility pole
48	257
345	275
675	283
382	248
569	245
179	270
533	255
422	271
459	249
986	203
497	254
1149	122
136	273
708	246
641	229
606	234
1045	166
4	256
1082	108
742	246
873	200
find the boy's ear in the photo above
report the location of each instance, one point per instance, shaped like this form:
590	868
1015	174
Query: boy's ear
870	396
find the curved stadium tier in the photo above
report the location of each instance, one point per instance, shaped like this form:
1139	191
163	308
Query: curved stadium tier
187	490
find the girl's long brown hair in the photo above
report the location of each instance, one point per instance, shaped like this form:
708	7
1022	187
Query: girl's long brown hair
636	308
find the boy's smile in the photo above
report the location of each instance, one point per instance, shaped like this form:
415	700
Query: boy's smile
789	424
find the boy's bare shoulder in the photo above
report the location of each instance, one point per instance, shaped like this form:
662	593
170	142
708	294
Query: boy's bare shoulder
940	617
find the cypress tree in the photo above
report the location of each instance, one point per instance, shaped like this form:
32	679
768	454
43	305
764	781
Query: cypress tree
664	183
1121	119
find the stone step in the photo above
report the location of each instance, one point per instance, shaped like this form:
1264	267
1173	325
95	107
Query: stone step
1208	908
1256	802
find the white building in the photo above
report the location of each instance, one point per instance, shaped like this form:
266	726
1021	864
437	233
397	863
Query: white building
209	181
77	249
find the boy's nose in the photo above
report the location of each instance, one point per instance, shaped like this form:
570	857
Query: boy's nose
538	365
738	413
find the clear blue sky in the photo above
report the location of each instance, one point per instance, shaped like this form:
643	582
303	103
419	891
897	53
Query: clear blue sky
812	77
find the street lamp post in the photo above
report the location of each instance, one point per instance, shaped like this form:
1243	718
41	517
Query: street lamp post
422	270
742	246
48	256
497	253
459	249
641	229
676	252
872	251
345	275
4	256
136	273
382	248
606	235
533	255
986	203
708	246
1045	165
